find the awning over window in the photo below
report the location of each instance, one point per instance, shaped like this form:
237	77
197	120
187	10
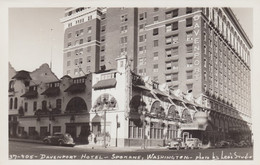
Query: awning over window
103	84
76	88
142	87
30	94
52	91
157	91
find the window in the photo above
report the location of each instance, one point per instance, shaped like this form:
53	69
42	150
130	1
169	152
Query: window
142	27
58	103
189	36
79	32
102	38
102	48
155	9
142	49
76	71
205	36
44	105
155	31
188	10
123	40
205	49
155	43
80	60
76	61
81	41
68	63
155	19
56	129
89	38
25	106
68	72
205	76
155	78
189	62
142	16
189	74
89	29
175	77
168	78
11	104
123	29
88	58
89	49
103	16
172	39
69	44
155	68
34	105
189	48
15	103
123	50
155	56
168	66
172	27
171	14
102	58
189	87
175	51
142	38
188	22
31	131
103	28
175	64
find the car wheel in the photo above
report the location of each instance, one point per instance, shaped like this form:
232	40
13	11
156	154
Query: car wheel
61	143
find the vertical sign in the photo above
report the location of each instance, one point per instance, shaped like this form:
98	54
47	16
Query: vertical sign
197	47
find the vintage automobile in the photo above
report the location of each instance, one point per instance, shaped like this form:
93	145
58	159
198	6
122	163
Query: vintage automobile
193	143
177	143
222	144
60	139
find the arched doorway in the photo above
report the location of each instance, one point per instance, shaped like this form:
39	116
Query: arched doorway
78	130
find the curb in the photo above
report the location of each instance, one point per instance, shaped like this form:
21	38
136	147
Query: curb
26	140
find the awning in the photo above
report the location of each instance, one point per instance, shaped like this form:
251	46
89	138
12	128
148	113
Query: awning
30	94
52	91
193	126
157	91
142	87
103	84
76	88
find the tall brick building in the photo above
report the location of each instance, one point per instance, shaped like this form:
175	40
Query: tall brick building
203	50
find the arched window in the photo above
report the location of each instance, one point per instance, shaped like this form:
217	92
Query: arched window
186	116
11	104
11	86
76	104
15	103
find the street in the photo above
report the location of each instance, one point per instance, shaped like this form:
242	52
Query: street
23	150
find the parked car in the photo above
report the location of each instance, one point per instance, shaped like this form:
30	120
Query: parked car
59	139
222	144
193	143
177	143
242	144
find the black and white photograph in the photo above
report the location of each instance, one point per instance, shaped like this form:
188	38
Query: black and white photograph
89	82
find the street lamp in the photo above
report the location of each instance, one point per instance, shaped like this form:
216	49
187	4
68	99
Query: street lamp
143	118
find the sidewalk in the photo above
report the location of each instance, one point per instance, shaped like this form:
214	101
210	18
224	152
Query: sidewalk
97	147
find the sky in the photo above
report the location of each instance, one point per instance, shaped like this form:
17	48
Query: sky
32	42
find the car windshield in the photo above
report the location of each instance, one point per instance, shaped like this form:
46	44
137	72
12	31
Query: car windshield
190	140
